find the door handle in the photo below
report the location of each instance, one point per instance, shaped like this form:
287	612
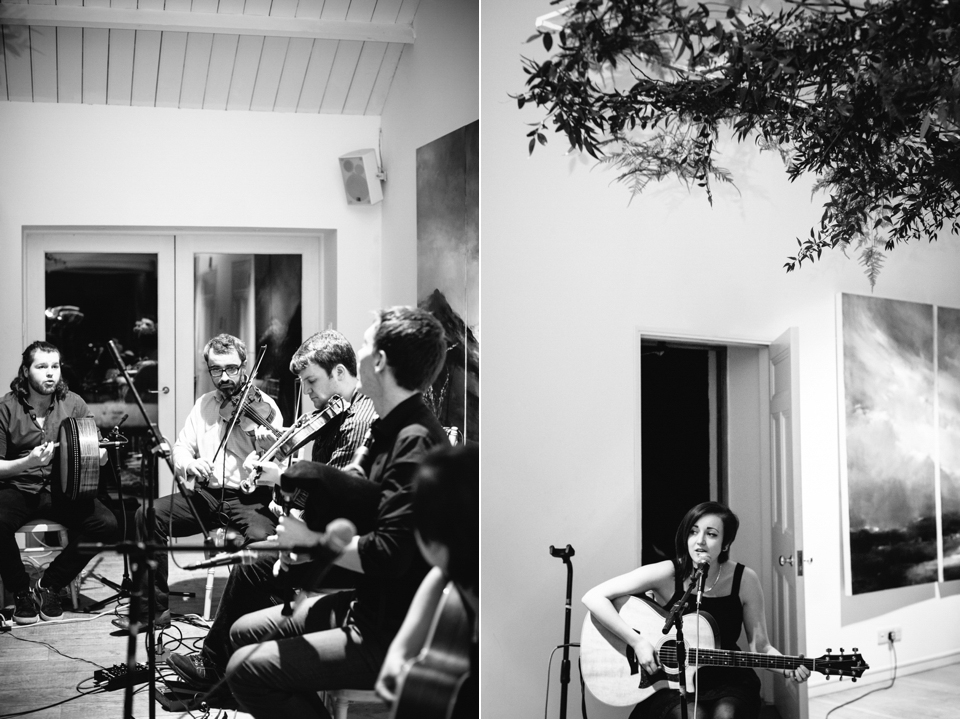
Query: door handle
787	560
165	390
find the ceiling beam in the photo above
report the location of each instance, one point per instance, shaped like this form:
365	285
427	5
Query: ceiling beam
262	25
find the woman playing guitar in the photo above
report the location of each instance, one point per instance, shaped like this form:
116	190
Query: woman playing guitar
732	596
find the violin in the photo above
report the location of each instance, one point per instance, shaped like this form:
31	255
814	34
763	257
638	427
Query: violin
256	411
296	436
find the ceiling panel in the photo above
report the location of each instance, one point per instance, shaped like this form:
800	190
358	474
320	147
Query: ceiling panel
120	59
331	56
146	66
69	64
43	59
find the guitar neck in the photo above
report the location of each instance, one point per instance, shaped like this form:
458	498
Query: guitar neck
725	658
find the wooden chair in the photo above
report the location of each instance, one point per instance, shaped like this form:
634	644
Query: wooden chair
338	701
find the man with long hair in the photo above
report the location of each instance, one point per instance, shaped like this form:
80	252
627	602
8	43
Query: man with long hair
30	418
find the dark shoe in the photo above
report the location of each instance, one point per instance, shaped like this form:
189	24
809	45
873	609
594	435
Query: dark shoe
49	601
26	608
161	621
195	669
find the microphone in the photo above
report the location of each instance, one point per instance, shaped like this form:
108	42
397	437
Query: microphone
244	556
702	572
334	541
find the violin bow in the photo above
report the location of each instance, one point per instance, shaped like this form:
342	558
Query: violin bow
243	398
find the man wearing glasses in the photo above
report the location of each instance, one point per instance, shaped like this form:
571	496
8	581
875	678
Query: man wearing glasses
212	478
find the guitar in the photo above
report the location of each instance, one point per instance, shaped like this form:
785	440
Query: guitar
428	686
611	671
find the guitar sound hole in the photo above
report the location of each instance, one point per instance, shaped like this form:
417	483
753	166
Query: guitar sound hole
668	655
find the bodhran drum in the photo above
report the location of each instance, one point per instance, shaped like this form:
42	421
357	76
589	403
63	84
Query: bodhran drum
79	458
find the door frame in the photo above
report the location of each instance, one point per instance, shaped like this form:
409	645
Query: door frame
175	248
766	571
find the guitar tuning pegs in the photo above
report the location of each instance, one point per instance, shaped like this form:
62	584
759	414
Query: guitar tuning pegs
841	650
854	650
829	650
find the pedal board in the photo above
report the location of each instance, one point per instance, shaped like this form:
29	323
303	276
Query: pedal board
117	677
184	698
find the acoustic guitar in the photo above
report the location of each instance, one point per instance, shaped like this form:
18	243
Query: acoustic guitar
612	673
429	685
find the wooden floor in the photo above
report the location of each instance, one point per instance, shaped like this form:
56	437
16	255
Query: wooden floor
934	694
33	675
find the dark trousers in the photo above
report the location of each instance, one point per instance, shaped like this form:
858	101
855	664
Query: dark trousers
280	663
247	512
86	519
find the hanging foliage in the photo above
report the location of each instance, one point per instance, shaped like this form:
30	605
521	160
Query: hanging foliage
864	96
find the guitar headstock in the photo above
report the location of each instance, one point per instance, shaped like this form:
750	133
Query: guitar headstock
841	665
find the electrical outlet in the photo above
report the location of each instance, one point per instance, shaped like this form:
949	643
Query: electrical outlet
883	635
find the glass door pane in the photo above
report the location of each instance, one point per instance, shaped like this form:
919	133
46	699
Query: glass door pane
258	299
85	289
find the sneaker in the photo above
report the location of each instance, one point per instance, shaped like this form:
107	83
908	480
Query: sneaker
49	601
195	669
160	621
26	608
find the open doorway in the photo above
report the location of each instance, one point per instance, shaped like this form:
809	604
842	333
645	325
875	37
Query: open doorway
683	437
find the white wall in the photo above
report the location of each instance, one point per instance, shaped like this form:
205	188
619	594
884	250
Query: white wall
85	165
570	272
434	92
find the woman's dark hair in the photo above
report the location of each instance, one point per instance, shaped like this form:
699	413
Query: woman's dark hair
446	508
730	526
21	383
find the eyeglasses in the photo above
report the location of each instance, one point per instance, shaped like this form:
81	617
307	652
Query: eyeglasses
217	372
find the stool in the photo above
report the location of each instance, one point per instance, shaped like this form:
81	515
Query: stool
39	554
342	698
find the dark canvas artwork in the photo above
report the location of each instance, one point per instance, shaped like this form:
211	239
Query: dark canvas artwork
889	390
948	395
448	268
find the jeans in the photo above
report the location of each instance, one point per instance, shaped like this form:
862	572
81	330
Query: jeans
87	520
247	512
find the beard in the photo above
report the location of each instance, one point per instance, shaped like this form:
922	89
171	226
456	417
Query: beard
42	388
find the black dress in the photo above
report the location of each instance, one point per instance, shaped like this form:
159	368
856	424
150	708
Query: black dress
713	682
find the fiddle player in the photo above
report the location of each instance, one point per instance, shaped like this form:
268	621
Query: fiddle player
212	482
30	417
327	367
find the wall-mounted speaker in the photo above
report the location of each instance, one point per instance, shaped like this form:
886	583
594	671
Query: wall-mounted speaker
360	180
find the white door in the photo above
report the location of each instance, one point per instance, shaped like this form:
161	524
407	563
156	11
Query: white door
176	293
85	288
788	630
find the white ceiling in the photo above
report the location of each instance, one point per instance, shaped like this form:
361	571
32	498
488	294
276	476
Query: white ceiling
328	56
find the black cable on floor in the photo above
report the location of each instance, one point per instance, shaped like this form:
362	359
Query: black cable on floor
872	691
50	646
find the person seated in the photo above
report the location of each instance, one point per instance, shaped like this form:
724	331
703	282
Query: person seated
446	512
338	640
30	418
327	367
212	480
732	596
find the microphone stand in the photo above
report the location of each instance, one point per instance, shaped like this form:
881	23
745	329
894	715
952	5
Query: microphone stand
143	558
123	590
676	620
565	555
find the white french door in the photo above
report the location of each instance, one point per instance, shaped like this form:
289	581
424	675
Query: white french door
88	285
